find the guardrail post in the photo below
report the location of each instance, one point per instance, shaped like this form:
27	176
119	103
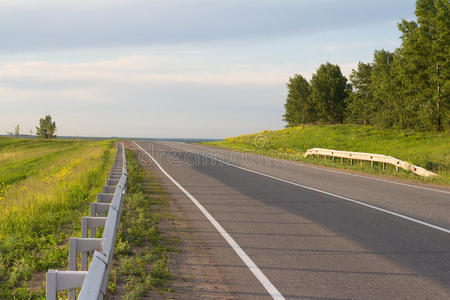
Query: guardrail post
89	223
50	289
84	233
72	262
93	210
93	230
62	280
99	209
109	189
84	227
104	197
112	182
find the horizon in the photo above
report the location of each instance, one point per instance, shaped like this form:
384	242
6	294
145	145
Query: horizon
115	137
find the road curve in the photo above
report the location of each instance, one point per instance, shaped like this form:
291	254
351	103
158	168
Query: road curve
300	228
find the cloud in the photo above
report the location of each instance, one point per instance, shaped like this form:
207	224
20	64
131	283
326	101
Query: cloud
141	70
156	90
70	24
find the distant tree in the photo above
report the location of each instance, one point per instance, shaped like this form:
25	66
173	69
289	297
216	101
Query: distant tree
17	130
46	128
298	108
361	105
329	90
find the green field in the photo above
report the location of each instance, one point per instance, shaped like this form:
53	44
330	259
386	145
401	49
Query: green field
45	188
430	150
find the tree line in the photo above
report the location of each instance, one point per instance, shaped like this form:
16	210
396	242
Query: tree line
407	88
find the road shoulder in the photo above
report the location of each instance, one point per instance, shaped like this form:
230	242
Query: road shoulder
194	273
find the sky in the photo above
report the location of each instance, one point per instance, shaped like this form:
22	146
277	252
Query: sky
176	68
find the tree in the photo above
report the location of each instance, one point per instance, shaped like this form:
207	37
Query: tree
46	128
329	90
407	88
17	130
385	89
298	107
361	105
424	65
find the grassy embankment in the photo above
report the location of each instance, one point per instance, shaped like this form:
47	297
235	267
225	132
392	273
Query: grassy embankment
45	188
142	249
430	150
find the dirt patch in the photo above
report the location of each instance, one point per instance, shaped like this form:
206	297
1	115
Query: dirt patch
196	275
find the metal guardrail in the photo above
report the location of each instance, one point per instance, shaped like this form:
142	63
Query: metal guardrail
361	156
106	212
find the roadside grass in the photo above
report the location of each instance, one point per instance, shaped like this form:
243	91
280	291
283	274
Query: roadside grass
22	158
49	188
142	249
430	150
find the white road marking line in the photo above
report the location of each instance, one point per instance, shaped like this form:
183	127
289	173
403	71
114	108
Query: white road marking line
271	289
330	194
302	164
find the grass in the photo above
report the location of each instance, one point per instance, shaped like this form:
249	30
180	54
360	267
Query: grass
430	150
46	186
22	158
142	251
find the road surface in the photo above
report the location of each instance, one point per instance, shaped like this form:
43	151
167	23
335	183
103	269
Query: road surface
285	230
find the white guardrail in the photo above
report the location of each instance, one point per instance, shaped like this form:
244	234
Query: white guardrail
384	159
105	212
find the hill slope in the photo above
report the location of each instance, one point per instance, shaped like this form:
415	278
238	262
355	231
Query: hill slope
430	150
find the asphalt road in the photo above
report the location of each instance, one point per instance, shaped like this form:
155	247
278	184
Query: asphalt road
311	232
